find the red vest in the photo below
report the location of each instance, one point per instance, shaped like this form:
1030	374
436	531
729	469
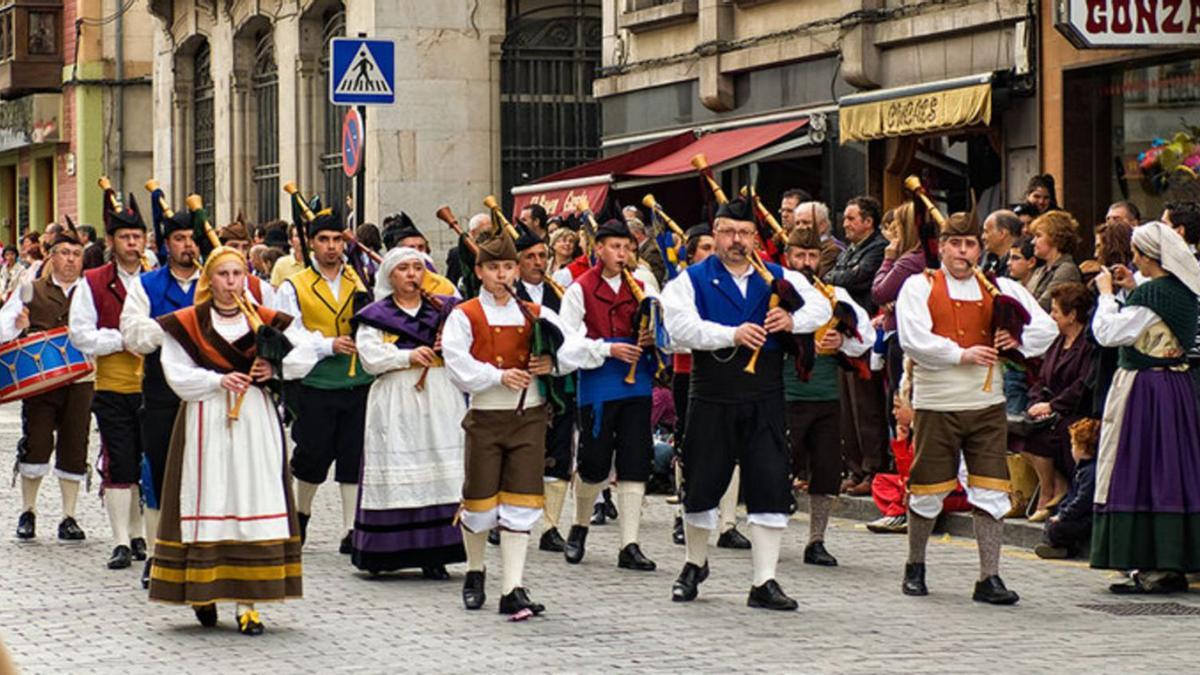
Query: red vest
604	314
255	285
501	346
108	294
578	266
967	322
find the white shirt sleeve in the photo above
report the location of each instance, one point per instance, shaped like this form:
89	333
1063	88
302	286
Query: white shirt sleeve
8	317
142	334
466	372
268	294
816	311
915	326
378	357
855	347
1041	331
287	302
1116	326
683	320
189	381
563	277
568	351
584	352
81	326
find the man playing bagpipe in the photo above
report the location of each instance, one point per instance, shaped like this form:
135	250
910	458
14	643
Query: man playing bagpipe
948	324
499	350
152	295
331	399
735	322
54	421
812	395
95	329
560	436
604	308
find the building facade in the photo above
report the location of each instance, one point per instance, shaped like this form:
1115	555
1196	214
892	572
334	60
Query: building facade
74	106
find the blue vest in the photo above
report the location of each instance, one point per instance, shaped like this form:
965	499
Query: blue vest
164	292
719	300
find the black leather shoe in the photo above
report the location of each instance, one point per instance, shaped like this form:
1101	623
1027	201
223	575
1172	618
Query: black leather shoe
731	538
770	596
121	558
815	554
494	537
435	572
914	579
598	515
677	535
146	573
574	549
27	526
518	599
347	545
610	509
992	591
473	594
138	547
250	624
552	541
69	530
303	519
632	558
206	614
687	585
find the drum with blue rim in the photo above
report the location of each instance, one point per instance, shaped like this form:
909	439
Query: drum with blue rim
38	363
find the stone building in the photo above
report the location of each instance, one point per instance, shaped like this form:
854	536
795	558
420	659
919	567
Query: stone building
241	101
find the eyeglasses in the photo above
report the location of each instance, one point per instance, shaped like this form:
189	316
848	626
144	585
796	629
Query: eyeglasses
737	233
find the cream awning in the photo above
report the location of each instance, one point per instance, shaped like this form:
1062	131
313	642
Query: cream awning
919	109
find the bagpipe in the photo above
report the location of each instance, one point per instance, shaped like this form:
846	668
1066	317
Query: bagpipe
468	253
928	232
649	317
666	228
783	294
112	205
1008	314
501	223
545	340
270	344
773	246
844	322
159	211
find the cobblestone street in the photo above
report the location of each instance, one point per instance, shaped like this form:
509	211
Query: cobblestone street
62	611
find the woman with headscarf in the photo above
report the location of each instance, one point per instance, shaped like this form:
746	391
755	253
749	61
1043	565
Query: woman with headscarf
228	529
1147	504
412	473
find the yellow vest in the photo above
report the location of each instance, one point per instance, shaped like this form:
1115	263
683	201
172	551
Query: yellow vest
436	284
319	310
119	372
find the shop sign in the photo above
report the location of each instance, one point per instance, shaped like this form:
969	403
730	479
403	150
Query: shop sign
1109	24
562	201
917	114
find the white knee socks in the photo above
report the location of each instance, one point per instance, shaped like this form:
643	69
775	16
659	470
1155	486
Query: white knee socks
728	504
764	551
151	530
513	546
349	492
29	492
556	494
697	544
305	492
70	496
116	502
629	501
136	523
585	498
476	544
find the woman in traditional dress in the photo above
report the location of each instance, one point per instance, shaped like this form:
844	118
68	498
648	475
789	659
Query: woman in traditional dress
228	530
412	472
1147	505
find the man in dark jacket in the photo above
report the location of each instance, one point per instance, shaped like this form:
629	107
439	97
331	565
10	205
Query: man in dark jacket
864	410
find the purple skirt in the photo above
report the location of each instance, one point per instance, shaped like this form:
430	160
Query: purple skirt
406	538
1157	468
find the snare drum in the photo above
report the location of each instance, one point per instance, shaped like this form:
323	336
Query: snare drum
38	363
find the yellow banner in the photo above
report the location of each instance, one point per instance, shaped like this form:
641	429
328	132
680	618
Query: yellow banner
922	113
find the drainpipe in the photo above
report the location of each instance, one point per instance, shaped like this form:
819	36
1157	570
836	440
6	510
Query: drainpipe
119	105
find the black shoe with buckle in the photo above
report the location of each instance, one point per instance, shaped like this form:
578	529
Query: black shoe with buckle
770	596
206	614
347	545
146	573
687	584
575	547
138	547
992	591
69	530
27	526
914	579
598	515
303	519
121	558
518	599
731	538
632	558
815	554
473	590
552	541
677	534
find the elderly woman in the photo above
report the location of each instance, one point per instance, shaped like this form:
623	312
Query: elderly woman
412	472
1147	502
1062	396
228	527
1054	237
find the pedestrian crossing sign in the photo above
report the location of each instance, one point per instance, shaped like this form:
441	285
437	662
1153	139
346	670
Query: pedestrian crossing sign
362	71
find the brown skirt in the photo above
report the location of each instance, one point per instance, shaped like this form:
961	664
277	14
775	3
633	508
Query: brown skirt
227	571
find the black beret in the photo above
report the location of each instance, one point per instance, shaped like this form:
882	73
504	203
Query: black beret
180	220
737	209
129	218
528	239
613	228
701	230
328	220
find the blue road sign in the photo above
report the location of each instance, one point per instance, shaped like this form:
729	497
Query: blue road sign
362	71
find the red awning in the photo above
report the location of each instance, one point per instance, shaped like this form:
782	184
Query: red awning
619	164
561	200
719	147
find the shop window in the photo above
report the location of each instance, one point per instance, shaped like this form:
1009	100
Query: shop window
6	34
266	104
30	47
43	33
203	131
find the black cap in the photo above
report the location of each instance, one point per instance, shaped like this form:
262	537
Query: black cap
180	220
701	230
528	239
328	220
397	227
613	228
129	218
737	209
276	238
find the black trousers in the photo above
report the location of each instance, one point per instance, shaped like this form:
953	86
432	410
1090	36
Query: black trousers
864	424
329	429
560	439
721	434
815	438
120	437
625	438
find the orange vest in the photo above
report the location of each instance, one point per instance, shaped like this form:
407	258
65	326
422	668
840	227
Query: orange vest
501	346
967	322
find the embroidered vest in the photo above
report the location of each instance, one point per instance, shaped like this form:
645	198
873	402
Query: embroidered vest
967	322
606	314
49	306
120	372
501	346
329	316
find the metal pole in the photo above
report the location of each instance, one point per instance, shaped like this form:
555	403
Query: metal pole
360	179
